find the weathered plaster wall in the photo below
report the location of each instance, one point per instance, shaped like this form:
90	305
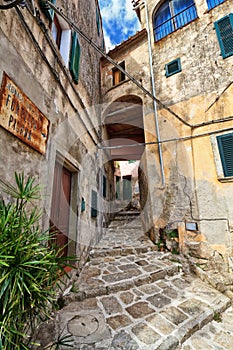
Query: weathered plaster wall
195	190
28	54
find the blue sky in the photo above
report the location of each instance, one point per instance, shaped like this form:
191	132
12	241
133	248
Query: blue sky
119	21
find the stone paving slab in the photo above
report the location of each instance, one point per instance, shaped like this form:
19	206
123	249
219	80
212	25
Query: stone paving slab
144	318
132	297
217	335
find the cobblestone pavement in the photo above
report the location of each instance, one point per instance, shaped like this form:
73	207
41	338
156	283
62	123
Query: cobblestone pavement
132	297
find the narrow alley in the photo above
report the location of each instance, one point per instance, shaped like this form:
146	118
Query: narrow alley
129	296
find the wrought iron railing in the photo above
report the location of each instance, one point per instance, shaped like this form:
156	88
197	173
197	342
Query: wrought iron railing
179	20
213	3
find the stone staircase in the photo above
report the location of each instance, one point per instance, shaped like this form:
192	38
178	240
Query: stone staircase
129	296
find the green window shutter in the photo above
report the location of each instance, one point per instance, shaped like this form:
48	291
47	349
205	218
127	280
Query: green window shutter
47	10
93	204
75	58
83	205
224	31
225	145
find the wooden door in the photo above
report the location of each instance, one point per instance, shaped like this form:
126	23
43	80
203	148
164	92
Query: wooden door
60	209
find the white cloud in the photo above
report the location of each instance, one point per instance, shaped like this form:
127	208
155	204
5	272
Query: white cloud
108	44
119	20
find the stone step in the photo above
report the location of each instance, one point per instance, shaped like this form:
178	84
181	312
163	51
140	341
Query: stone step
160	314
129	213
120	251
124	270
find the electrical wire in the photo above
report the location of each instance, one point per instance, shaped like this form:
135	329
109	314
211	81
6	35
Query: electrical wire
184	138
54	72
114	63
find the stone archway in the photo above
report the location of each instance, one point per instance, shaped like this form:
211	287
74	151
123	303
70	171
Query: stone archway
123	119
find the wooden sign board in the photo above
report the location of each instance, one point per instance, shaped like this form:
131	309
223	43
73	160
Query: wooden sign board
20	116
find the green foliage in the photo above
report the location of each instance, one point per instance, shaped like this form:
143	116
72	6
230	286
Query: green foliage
30	267
217	317
171	233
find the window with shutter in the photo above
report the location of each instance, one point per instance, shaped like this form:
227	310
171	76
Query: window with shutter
117	75
93	204
173	67
224	31
75	58
104	186
47	10
225	145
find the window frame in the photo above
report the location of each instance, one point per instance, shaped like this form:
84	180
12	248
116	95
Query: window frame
75	54
215	5
175	19
49	13
167	74
223	157
220	37
94	204
116	73
57	25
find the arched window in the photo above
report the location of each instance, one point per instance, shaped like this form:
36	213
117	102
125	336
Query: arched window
172	15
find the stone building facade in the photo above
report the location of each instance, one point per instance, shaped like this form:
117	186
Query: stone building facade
186	169
50	125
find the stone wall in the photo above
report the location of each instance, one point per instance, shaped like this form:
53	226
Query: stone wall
31	59
199	109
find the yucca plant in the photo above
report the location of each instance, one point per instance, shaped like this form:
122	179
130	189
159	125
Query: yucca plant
30	268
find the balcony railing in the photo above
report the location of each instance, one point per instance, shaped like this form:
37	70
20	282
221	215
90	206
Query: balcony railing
213	3
179	20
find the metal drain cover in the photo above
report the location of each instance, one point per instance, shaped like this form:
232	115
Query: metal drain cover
83	325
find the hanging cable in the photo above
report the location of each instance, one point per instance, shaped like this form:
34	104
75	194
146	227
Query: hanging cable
115	64
184	138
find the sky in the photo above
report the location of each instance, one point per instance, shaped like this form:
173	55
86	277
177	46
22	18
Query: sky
119	21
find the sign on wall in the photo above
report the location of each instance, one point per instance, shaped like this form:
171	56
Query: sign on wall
21	117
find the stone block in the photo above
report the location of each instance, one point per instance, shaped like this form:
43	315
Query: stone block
158	275
159	300
111	305
145	333
139	310
174	315
170	343
118	321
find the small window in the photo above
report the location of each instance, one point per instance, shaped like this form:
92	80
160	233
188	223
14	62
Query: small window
117	75
93	204
225	146
173	67
213	3
75	58
224	31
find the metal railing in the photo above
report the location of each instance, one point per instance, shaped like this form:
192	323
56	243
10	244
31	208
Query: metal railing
179	20
213	3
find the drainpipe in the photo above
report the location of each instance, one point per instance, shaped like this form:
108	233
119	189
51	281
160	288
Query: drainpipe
153	93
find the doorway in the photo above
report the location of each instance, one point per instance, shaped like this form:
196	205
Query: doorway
60	208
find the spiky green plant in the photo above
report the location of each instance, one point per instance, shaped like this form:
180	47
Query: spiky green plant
30	268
